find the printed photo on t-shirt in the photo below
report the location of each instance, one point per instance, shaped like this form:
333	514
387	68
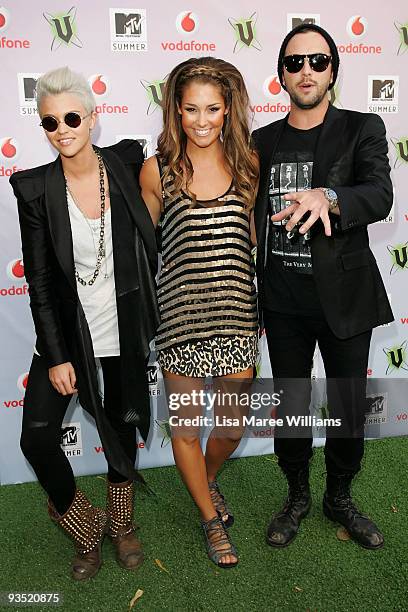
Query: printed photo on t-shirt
293	249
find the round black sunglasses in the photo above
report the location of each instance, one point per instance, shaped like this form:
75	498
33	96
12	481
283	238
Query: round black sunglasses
71	119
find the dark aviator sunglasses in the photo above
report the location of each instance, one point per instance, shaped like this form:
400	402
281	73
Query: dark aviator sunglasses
317	62
71	119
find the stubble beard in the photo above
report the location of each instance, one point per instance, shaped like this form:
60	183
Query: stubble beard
298	101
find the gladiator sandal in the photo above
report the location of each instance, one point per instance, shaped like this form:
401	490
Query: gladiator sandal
218	542
220	504
87	526
129	552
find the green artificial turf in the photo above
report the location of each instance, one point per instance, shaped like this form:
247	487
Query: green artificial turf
316	573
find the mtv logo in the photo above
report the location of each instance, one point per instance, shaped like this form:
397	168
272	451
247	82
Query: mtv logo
27	86
297	19
71	439
144	143
383	90
30	88
152	371
128	25
376	409
376	404
69	435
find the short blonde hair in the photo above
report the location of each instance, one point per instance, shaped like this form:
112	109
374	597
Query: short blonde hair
64	80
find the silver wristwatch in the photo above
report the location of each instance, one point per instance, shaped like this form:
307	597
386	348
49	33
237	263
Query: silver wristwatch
331	197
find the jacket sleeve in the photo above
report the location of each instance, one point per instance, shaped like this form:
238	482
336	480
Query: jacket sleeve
370	198
37	257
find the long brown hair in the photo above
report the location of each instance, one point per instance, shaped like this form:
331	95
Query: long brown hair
239	154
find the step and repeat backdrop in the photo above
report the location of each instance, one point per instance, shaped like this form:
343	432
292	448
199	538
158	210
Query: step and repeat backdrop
126	50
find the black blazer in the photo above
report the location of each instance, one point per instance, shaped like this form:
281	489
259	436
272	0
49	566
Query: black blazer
61	327
351	157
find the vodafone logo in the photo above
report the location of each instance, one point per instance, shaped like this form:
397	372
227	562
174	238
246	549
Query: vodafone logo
187	23
278	101
8	43
99	84
4	18
271	87
356	26
22	381
15	270
9	148
356	29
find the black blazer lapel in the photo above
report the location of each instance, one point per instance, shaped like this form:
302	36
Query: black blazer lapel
58	216
328	145
266	143
135	204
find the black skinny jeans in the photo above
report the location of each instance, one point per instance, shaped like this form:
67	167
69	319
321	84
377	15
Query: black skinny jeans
291	344
43	414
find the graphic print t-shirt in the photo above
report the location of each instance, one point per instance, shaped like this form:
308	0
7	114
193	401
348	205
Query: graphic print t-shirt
289	283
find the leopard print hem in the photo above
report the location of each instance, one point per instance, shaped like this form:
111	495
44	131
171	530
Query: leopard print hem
217	356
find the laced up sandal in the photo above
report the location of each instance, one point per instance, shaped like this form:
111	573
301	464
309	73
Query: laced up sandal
87	526
129	553
220	504
218	542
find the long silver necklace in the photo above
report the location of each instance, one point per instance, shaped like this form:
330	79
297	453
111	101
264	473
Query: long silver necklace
100	255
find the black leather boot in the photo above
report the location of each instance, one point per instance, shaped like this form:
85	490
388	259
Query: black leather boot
284	525
338	506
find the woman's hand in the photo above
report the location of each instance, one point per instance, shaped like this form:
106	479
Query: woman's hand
63	378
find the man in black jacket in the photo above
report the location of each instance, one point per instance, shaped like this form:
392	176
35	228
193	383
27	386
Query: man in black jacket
324	176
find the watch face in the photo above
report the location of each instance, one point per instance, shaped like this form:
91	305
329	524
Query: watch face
332	195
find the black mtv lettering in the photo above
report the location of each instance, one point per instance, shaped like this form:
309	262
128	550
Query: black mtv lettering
297	21
377	404
66	37
30	85
404	31
152	375
69	435
128	25
383	90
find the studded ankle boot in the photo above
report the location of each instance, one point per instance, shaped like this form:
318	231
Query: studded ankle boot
86	525
129	552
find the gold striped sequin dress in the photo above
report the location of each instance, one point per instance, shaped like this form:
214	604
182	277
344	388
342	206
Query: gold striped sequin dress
206	291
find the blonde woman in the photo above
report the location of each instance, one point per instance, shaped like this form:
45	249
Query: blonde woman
90	258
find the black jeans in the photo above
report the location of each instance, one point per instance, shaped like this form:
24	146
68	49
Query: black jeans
291	344
43	414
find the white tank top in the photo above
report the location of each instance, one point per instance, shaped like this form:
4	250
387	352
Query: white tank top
98	300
